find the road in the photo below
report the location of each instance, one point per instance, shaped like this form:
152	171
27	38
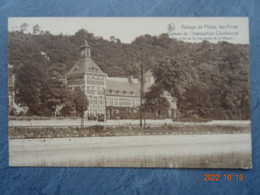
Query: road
65	122
131	151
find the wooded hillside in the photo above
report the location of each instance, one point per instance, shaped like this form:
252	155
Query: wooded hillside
209	80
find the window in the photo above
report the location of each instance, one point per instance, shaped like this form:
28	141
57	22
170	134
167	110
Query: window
137	102
95	100
76	69
114	101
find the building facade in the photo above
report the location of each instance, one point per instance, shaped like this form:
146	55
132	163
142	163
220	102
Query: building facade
11	94
104	92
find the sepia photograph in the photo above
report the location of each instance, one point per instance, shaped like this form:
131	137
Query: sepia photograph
158	92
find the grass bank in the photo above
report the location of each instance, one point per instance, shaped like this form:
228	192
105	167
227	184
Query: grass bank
102	131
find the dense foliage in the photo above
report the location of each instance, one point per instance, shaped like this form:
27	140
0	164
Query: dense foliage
209	80
155	102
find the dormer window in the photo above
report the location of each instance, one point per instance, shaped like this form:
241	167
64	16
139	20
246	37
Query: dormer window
76	69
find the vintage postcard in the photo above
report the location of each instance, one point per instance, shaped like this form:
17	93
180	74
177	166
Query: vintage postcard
129	92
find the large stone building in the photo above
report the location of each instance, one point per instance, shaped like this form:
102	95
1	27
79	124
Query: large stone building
103	91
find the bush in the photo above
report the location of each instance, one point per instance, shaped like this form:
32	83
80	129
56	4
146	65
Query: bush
67	111
92	117
101	117
96	128
194	120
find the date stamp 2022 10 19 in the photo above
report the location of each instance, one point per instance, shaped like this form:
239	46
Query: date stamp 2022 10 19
226	177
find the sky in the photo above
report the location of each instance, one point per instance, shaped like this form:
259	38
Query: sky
189	29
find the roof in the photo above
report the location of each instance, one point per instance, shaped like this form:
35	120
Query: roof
131	89
148	73
85	45
85	65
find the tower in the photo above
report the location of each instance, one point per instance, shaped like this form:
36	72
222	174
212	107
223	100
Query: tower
85	50
86	74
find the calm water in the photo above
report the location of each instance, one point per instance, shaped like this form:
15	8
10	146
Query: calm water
216	150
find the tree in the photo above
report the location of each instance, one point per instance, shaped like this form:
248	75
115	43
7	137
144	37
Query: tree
31	89
175	74
155	101
36	29
56	95
68	108
35	90
24	27
179	67
79	100
197	101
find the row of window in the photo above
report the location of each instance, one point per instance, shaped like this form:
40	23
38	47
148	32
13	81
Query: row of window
95	88
121	92
72	88
96	109
96	100
113	101
102	88
123	102
95	77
